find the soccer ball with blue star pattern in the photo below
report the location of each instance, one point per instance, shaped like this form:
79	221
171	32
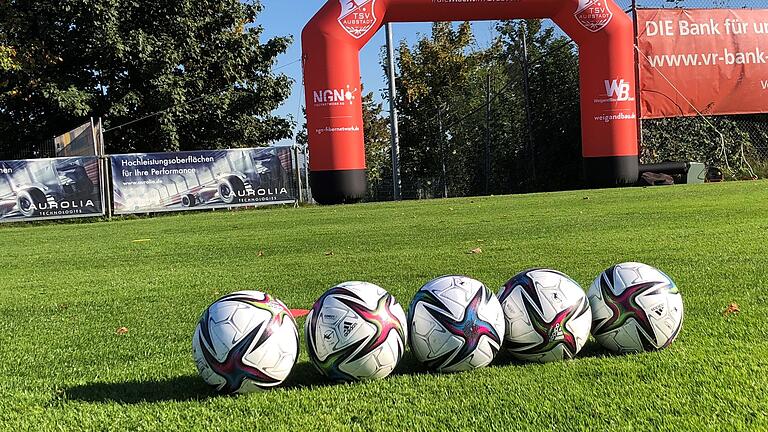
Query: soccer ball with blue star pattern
455	324
547	315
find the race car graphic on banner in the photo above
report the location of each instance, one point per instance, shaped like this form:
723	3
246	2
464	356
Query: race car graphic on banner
50	189
159	182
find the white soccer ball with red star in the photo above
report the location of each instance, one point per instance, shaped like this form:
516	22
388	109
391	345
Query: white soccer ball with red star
356	331
636	308
245	341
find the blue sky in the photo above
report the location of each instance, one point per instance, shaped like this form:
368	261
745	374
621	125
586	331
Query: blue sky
288	17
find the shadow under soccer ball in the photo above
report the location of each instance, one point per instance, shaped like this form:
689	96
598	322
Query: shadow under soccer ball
304	375
592	349
178	389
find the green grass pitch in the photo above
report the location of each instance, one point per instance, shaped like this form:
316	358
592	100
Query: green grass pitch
66	288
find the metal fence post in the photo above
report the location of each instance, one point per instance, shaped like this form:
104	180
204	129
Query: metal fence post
295	155
106	181
305	149
394	132
487	156
442	145
637	83
527	94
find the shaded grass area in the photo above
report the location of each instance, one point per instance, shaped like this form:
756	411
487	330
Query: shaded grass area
66	288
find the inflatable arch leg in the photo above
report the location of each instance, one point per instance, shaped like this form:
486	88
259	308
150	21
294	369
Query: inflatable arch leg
331	44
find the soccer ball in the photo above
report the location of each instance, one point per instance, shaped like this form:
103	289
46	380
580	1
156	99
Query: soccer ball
635	308
456	324
356	331
244	342
547	315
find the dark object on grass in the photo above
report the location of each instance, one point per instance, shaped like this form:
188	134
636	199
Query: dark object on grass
681	172
656	179
665	167
714	174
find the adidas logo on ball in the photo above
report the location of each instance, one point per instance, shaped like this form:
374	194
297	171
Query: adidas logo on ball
556	334
348	327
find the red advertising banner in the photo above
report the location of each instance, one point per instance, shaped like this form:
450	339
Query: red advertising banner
717	59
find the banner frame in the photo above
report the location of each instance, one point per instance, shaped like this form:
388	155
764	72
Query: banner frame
213	207
102	214
293	186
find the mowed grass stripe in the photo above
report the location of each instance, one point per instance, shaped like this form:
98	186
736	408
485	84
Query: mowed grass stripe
66	288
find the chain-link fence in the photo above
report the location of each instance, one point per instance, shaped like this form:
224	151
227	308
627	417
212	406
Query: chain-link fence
756	127
737	144
513	126
510	124
37	150
80	141
516	127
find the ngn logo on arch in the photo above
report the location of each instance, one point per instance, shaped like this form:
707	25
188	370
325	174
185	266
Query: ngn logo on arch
334	97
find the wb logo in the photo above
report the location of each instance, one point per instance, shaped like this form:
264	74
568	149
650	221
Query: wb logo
617	90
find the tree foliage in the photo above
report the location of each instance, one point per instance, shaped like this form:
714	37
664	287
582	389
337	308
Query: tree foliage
551	157
502	149
200	63
377	148
437	80
8	59
444	87
719	141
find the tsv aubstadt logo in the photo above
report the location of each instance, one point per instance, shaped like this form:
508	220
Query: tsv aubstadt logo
357	16
594	15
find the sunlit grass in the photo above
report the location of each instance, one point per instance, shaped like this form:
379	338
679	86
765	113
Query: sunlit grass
65	290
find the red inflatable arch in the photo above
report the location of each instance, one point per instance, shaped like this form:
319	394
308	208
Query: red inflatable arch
332	40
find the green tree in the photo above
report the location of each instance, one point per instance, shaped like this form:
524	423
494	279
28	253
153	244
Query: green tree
437	83
200	63
554	161
8	59
442	90
377	148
